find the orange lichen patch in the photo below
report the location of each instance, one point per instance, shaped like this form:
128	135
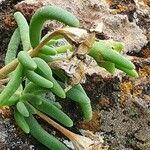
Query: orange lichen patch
122	8
5	112
108	2
8	21
93	125
134	88
126	87
123	99
104	102
137	91
144	72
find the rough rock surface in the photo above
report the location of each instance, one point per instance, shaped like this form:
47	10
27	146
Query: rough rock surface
119	28
121	109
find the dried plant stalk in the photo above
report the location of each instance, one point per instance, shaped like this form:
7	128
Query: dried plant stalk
4	81
79	142
70	34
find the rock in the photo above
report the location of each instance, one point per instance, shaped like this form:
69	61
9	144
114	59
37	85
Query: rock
115	27
118	27
10	136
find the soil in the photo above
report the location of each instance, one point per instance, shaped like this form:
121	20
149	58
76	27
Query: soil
121	105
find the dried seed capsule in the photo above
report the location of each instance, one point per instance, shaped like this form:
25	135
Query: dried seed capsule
24	30
22	109
21	122
42	136
39	80
12	47
26	60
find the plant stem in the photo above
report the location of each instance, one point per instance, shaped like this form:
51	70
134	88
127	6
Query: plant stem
68	35
11	66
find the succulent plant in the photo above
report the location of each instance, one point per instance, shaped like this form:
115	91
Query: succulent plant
30	75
